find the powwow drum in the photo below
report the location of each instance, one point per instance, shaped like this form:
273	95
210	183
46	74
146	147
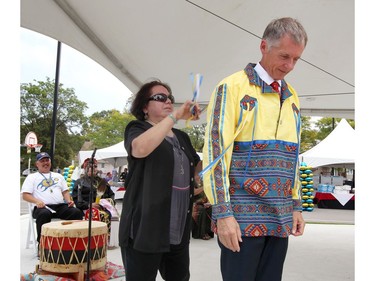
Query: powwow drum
64	246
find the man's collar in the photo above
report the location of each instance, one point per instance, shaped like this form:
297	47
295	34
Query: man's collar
255	79
263	74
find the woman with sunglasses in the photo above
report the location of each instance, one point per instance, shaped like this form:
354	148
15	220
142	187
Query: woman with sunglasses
156	216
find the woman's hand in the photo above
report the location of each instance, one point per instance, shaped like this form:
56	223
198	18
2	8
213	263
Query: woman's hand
145	143
186	110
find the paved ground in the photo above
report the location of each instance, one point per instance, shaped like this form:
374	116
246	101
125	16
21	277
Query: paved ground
325	252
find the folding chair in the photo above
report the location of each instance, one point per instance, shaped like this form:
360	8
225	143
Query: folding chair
31	232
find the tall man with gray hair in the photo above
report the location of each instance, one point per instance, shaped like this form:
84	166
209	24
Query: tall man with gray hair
250	159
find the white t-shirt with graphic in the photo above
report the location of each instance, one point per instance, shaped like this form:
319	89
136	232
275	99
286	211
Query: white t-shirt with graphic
46	187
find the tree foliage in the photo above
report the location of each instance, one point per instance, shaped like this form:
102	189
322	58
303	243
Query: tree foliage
196	134
106	128
308	135
36	100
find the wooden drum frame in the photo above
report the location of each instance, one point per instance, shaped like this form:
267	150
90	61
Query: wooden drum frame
64	246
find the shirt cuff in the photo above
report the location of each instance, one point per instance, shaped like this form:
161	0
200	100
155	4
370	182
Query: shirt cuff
222	210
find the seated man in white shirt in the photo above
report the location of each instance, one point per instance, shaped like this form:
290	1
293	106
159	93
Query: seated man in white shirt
50	194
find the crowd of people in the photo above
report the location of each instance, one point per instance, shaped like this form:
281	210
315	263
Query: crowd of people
239	192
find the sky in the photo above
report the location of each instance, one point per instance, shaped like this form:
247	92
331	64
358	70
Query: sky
92	83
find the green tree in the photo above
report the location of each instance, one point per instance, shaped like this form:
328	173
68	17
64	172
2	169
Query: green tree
196	134
107	127
36	100
308	135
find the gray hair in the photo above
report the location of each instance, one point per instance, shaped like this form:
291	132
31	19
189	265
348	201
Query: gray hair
285	26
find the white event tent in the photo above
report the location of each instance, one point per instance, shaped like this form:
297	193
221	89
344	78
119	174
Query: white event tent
214	38
337	149
116	155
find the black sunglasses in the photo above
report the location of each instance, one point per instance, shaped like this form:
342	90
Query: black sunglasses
161	98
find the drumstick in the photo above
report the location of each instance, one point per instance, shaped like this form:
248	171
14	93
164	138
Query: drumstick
70	222
48	208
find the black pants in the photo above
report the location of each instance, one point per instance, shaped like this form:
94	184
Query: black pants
43	215
140	266
259	259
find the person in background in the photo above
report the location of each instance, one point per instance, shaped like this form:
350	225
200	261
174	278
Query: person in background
49	192
123	175
202	212
250	158
155	223
114	175
100	189
108	177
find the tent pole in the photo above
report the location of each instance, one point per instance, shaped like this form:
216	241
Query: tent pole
55	103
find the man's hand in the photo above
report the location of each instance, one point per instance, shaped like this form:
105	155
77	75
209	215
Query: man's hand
70	203
229	233
40	204
298	224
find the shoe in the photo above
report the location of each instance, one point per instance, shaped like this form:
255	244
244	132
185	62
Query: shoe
206	237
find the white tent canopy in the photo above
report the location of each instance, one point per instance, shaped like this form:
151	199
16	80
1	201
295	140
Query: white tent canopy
169	39
337	149
116	155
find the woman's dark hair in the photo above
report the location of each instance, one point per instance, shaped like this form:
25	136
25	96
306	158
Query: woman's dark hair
142	96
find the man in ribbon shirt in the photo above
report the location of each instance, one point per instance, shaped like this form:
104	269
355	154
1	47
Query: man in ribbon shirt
49	192
250	159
